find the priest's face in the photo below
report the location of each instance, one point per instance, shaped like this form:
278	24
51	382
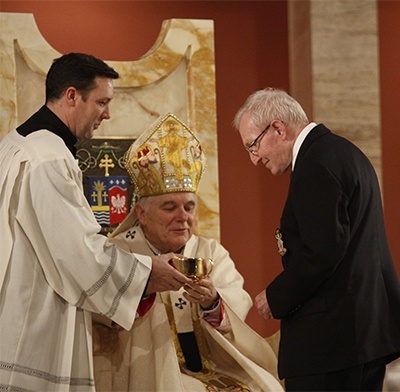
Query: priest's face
167	220
92	108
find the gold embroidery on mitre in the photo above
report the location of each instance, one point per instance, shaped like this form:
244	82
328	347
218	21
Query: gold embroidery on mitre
166	158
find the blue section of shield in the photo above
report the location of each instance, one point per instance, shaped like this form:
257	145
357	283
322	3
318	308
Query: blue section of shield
118	181
98	199
99	192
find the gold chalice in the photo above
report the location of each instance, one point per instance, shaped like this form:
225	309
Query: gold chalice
193	267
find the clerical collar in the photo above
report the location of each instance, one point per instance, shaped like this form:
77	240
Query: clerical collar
152	248
44	118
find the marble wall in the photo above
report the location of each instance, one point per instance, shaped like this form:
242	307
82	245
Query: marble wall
335	69
177	75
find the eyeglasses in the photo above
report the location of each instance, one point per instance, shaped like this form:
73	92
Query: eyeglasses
255	145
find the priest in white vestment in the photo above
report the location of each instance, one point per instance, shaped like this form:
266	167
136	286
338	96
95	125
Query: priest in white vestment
55	269
194	339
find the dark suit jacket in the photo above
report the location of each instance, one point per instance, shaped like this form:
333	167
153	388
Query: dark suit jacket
338	297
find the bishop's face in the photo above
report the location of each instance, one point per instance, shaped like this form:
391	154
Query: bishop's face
167	220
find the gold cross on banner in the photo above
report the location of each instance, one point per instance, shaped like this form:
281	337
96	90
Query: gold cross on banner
107	163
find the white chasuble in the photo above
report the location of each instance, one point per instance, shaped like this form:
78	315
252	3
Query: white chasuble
148	357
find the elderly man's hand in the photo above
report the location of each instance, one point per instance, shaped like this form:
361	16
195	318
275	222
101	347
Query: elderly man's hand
261	303
163	276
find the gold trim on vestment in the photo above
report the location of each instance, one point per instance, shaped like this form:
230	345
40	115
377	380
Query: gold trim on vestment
212	381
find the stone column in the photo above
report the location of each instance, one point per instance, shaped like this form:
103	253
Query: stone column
334	69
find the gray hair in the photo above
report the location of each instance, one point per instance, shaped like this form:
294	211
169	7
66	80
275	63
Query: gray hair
146	201
271	104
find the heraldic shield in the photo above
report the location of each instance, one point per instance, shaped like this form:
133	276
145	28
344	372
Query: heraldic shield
106	183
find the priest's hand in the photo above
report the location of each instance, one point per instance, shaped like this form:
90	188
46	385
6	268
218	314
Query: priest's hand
201	291
261	303
163	276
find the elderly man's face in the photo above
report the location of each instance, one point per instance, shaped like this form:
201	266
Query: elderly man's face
168	221
274	150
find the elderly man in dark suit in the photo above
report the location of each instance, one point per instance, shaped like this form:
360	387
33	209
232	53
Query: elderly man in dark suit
338	296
